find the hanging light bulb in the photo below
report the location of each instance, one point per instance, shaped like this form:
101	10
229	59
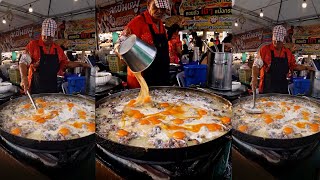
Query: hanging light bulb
261	13
236	24
304	4
30	9
75	0
4	20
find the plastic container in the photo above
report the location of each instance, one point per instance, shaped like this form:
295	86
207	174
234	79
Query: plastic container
76	85
301	86
14	74
195	75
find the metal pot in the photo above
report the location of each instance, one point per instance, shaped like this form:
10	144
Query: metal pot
219	70
137	54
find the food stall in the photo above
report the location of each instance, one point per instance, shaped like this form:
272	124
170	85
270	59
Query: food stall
124	160
254	158
38	147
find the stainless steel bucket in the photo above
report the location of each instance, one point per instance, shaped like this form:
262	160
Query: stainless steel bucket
219	70
315	85
137	54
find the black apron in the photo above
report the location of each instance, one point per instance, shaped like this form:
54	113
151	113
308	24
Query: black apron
275	80
44	79
157	74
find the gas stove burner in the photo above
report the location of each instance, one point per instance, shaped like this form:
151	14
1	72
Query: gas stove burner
198	168
275	156
49	159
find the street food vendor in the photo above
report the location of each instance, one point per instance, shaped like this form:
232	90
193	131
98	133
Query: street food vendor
274	62
43	61
149	27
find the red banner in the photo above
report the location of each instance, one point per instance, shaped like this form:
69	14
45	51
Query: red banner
116	16
19	38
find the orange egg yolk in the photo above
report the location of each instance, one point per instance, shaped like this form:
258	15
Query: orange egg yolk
164	104
147	99
82	114
225	120
122	133
314	127
64	131
70	106
287	130
16	131
131	103
202	112
268	120
243	128
91	127
178	121
154	120
40	110
144	122
27	106
179	135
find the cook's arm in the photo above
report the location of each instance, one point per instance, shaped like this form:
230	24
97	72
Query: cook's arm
299	67
73	64
257	65
255	74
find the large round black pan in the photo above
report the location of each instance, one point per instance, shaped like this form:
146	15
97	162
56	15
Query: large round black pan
45	146
276	144
166	155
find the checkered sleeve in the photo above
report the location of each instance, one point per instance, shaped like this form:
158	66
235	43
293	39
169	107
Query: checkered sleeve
25	59
258	62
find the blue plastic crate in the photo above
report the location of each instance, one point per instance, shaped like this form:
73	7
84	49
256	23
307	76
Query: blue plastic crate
301	86
76	84
67	75
195	75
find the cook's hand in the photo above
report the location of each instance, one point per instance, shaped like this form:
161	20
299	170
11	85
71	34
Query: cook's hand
310	68
24	84
36	65
86	65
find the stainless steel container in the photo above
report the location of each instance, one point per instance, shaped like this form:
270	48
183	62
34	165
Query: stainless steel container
219	70
316	85
137	54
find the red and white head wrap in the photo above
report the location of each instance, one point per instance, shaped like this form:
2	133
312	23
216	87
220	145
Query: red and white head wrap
279	32
162	4
49	27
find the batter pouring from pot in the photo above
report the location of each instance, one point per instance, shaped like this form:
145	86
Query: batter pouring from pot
149	28
274	62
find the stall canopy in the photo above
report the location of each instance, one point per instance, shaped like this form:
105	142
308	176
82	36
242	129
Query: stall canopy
16	13
288	12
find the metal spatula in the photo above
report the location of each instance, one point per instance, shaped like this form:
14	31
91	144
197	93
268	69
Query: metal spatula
253	109
34	104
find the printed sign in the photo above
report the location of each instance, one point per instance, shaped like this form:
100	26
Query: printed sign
250	41
307	39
